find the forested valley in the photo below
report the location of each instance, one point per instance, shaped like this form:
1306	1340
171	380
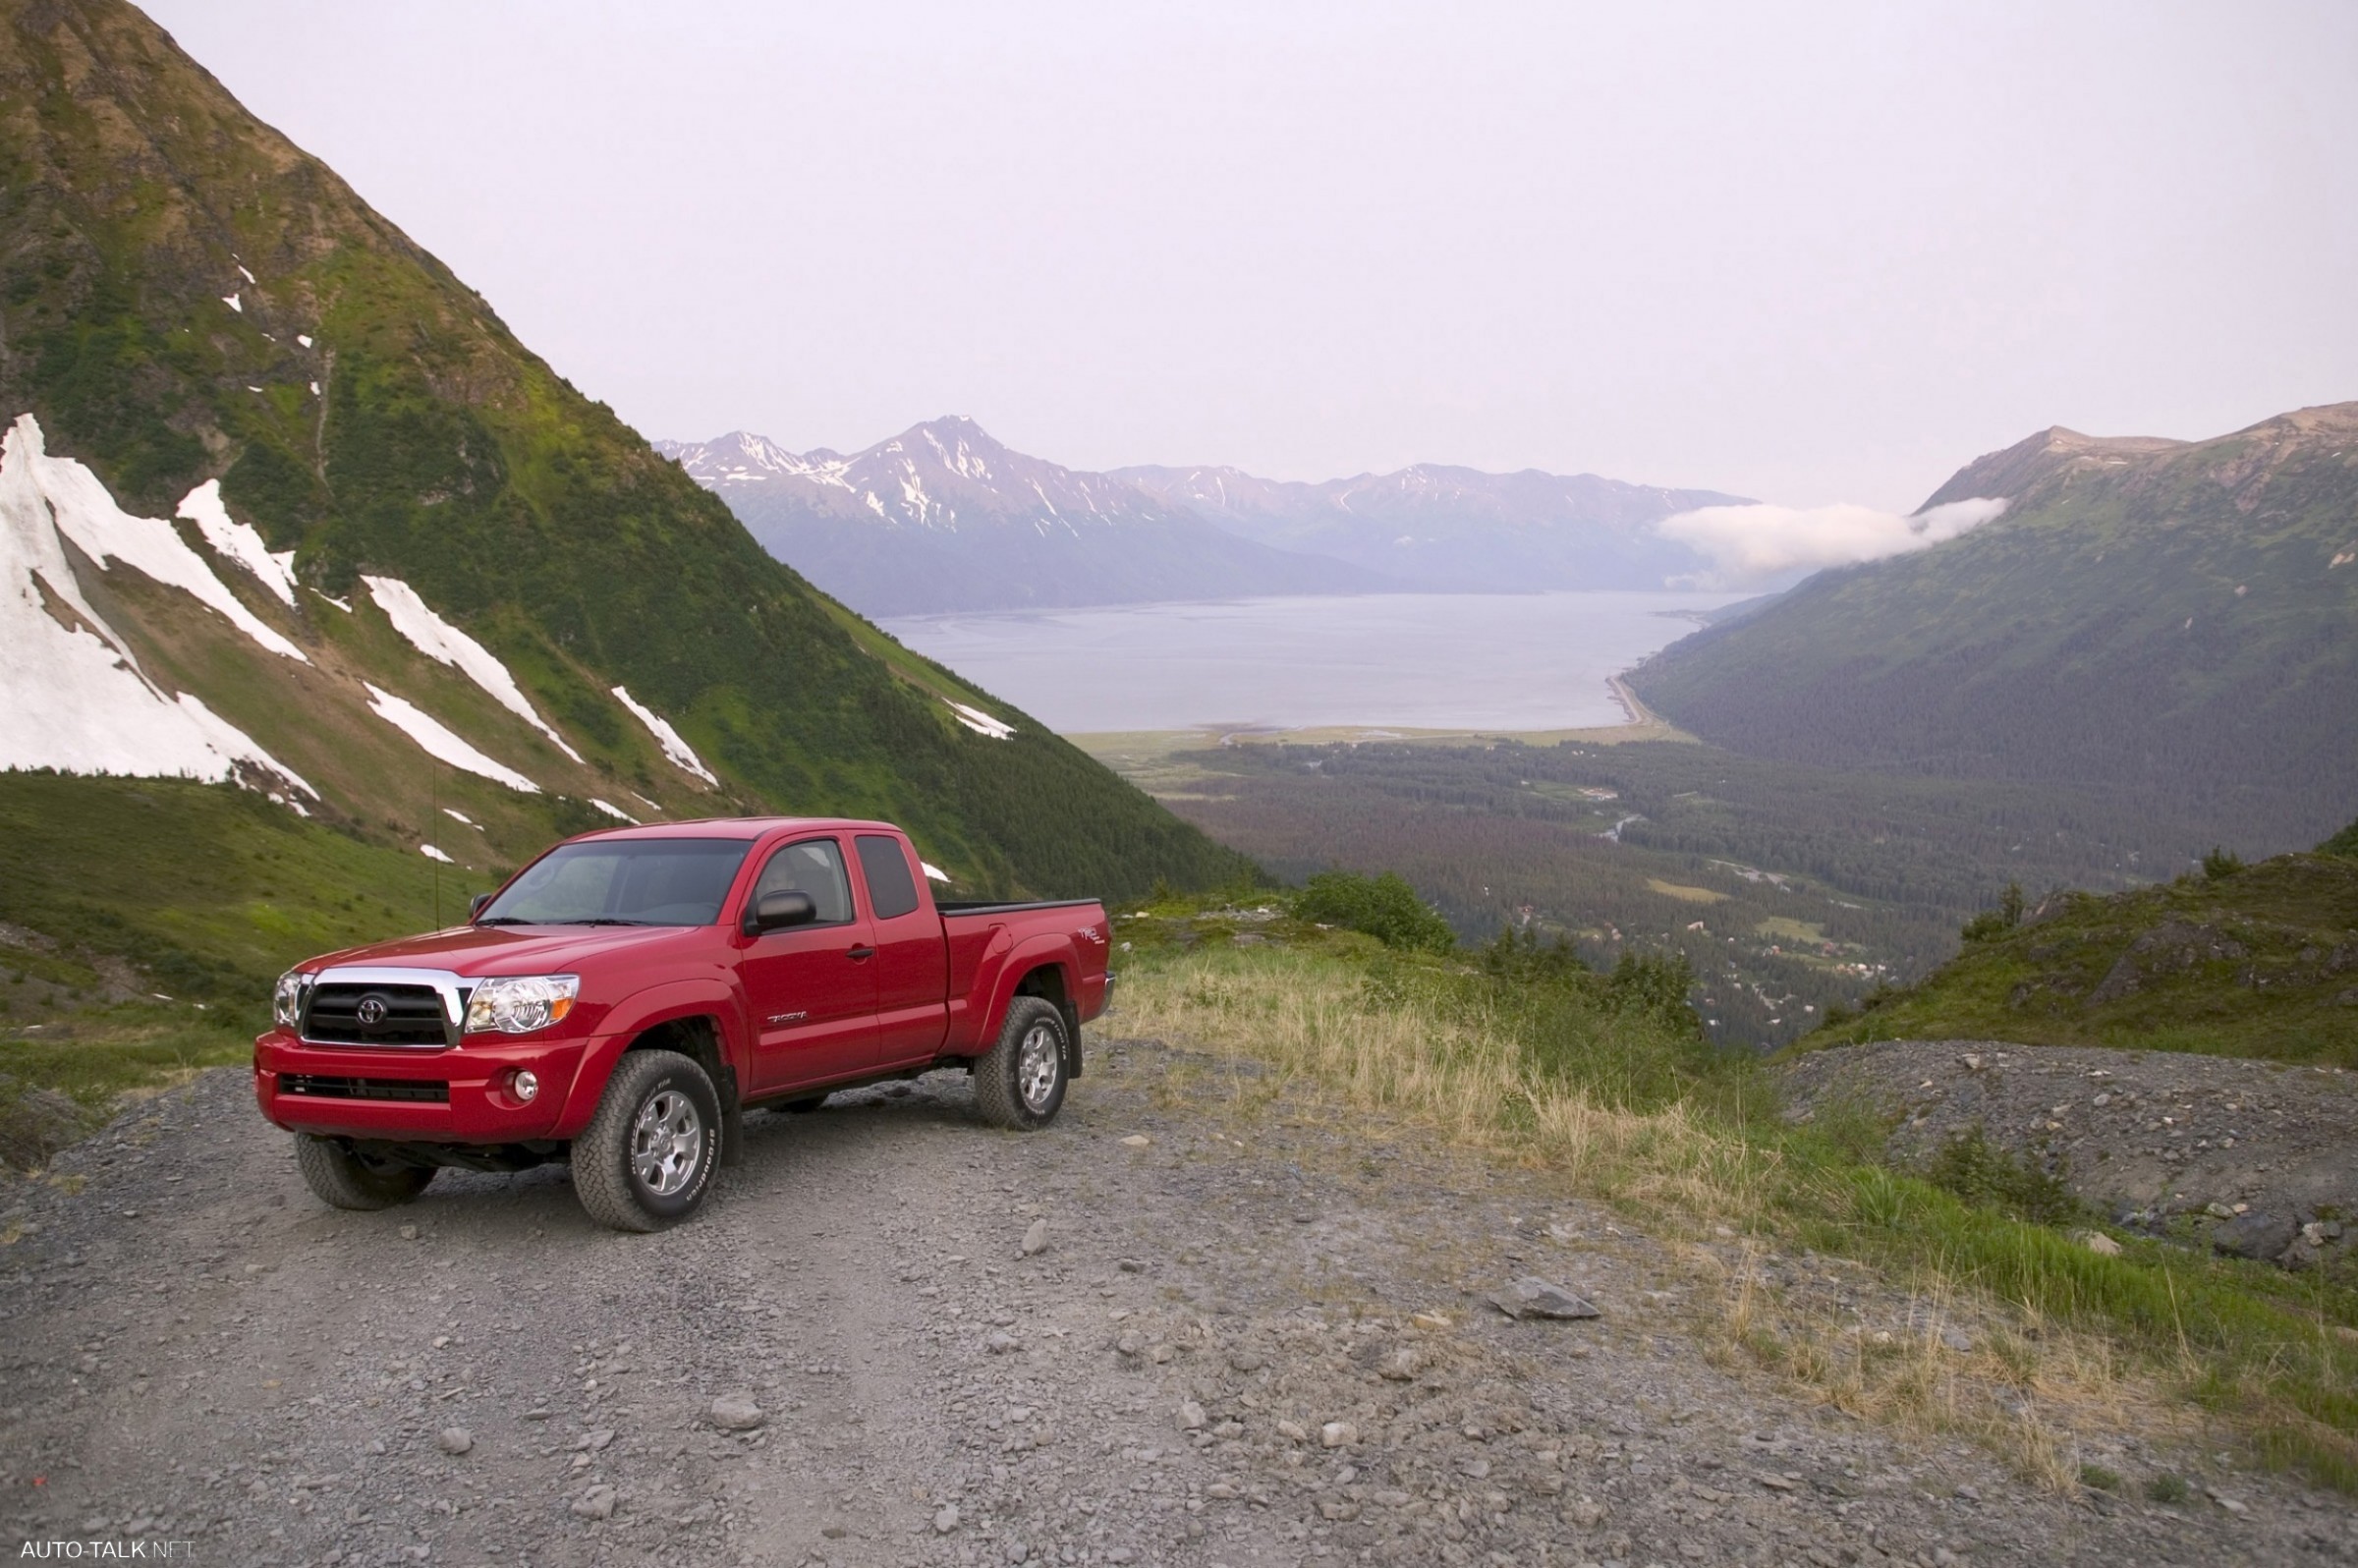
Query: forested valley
1789	888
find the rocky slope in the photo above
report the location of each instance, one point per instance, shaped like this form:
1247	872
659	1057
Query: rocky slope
2255	1158
942	517
2166	617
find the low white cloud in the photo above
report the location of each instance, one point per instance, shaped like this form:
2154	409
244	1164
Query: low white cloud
1753	546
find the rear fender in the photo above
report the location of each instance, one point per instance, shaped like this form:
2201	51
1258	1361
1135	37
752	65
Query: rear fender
1026	958
642	1011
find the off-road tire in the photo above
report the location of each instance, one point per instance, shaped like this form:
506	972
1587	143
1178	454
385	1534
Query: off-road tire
1034	1025
344	1178
804	1106
606	1170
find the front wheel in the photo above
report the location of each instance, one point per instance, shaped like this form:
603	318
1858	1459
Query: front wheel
345	1178
1020	1081
646	1159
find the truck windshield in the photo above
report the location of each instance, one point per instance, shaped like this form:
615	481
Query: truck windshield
643	881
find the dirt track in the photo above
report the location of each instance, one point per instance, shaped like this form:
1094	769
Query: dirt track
195	1351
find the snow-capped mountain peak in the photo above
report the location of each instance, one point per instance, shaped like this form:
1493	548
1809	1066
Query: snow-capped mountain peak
940	475
943	515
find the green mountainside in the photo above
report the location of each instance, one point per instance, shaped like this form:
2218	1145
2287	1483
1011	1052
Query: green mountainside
2258	961
2170	619
186	297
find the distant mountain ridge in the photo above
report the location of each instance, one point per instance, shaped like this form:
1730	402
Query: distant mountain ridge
942	517
967	524
1445	526
2178	617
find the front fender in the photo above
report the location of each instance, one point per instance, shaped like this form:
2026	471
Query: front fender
702	997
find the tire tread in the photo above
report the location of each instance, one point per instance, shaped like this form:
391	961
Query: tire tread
996	1092
340	1181
601	1179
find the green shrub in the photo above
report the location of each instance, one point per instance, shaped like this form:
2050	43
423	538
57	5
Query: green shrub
1523	958
1995	923
1656	984
1977	1171
2220	863
1384	906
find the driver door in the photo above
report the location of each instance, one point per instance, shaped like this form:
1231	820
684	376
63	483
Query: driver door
812	989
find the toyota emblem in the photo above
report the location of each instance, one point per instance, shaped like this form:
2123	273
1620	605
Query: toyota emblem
371	1011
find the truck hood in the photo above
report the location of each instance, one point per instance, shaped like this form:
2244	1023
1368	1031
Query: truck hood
479	950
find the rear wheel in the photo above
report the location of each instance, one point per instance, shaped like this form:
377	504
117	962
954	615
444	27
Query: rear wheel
345	1178
646	1159
1020	1081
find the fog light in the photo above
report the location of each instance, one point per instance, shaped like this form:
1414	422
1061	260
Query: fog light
526	1084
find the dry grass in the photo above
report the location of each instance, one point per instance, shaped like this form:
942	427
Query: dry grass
1273	1020
1921	1341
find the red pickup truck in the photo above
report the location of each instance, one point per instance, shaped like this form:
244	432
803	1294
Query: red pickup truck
622	1000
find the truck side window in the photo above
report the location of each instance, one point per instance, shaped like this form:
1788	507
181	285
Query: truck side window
890	887
814	866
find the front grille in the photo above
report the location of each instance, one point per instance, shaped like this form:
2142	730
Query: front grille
429	1091
345	1013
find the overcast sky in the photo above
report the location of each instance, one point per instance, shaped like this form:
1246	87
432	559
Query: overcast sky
1811	252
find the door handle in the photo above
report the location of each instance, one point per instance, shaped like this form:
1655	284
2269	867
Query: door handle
861	955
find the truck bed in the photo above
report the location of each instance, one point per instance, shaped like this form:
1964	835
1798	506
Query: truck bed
947	907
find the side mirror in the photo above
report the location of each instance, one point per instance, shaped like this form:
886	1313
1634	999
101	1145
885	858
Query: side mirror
774	912
474	904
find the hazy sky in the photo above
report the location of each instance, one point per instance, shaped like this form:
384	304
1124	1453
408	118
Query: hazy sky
1811	252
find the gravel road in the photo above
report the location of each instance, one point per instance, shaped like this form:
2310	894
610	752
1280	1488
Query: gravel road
1248	1339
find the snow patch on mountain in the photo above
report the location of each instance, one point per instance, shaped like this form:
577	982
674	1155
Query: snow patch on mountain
981	723
72	698
437	741
743	458
237	542
681	753
438	640
87	515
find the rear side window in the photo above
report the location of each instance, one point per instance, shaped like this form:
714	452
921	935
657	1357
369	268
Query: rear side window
814	866
890	887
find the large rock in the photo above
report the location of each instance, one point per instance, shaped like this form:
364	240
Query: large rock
1532	1297
2255	1235
737	1412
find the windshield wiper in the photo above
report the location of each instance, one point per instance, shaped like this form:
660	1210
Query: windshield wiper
504	919
601	920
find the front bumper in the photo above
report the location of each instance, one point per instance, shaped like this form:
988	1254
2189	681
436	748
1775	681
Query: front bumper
479	1107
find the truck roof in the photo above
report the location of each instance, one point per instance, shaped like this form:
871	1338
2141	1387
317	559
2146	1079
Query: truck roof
748	827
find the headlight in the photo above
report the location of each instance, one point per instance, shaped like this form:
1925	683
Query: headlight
286	1002
517	1004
